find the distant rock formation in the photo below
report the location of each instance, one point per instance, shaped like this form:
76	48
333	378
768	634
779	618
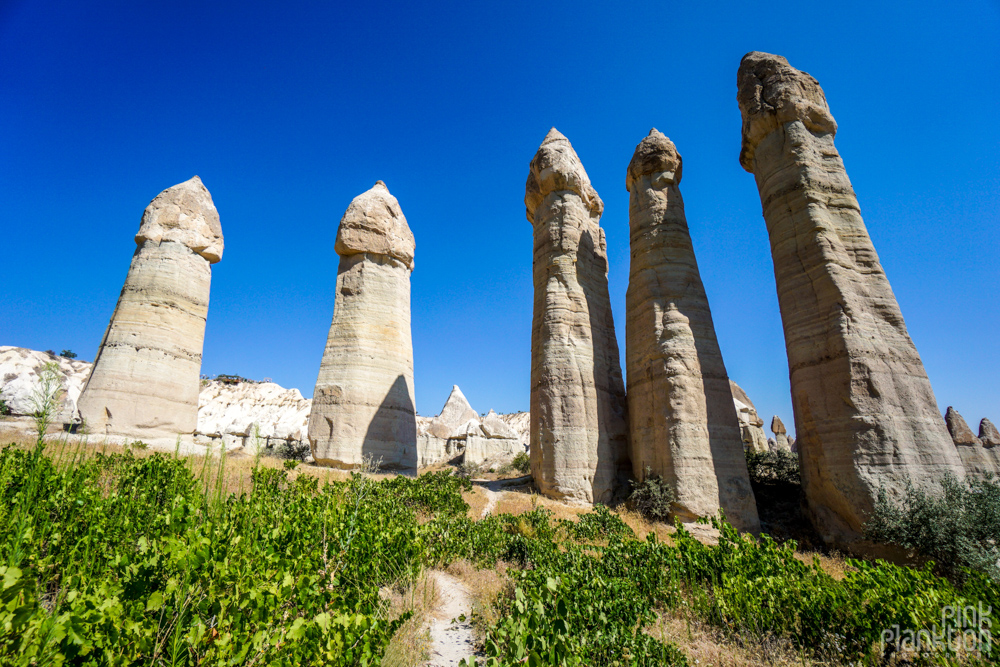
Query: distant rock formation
363	406
751	425
19	381
579	439
233	415
459	435
145	378
974	457
865	414
988	433
780	434
682	418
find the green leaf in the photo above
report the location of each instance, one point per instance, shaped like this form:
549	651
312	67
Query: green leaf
155	601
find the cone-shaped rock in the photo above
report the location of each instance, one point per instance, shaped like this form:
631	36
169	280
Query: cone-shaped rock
682	418
456	411
988	433
975	458
780	434
865	414
145	379
363	406
579	440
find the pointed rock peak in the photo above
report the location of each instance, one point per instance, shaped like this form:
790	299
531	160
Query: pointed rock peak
740	395
456	410
770	93
988	433
186	214
777	426
657	156
556	168
961	434
554	135
374	223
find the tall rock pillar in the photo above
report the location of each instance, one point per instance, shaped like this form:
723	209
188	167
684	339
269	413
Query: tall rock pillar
363	406
682	420
579	441
145	379
865	414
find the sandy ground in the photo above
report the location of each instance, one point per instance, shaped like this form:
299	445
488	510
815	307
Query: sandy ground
450	642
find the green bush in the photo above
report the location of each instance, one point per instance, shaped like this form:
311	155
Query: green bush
4	408
778	467
958	528
522	463
652	497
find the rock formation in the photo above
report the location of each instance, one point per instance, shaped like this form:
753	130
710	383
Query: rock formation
990	438
363	406
780	434
751	425
682	419
145	378
579	440
459	435
988	433
970	448
865	414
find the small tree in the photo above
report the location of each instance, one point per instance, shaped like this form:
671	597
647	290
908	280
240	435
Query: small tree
68	354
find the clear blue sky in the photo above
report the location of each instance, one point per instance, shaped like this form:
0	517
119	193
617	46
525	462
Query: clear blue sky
288	110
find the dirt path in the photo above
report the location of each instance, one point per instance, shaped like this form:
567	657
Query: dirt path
494	489
450	643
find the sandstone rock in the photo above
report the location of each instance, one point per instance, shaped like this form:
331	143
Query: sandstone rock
579	440
865	414
456	411
19	385
494	427
988	433
975	458
751	425
683	422
780	434
772	445
264	409
363	406
520	424
145	379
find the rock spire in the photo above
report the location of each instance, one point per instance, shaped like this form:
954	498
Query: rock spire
363	405
865	414
145	379
780	434
579	440
682	418
975	458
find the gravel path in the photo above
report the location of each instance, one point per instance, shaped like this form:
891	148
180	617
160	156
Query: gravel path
450	643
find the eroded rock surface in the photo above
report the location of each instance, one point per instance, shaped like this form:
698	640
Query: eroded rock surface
751	425
145	379
780	434
682	418
579	440
363	405
459	435
975	458
865	414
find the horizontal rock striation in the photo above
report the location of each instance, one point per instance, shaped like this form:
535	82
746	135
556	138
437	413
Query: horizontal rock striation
682	419
145	379
865	414
363	405
579	439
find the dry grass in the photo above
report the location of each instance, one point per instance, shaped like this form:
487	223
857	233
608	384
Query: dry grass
477	501
706	646
485	587
642	526
834	564
521	499
410	645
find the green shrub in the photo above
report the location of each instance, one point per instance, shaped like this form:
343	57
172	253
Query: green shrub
778	467
958	528
68	354
293	451
522	463
4	408
652	497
